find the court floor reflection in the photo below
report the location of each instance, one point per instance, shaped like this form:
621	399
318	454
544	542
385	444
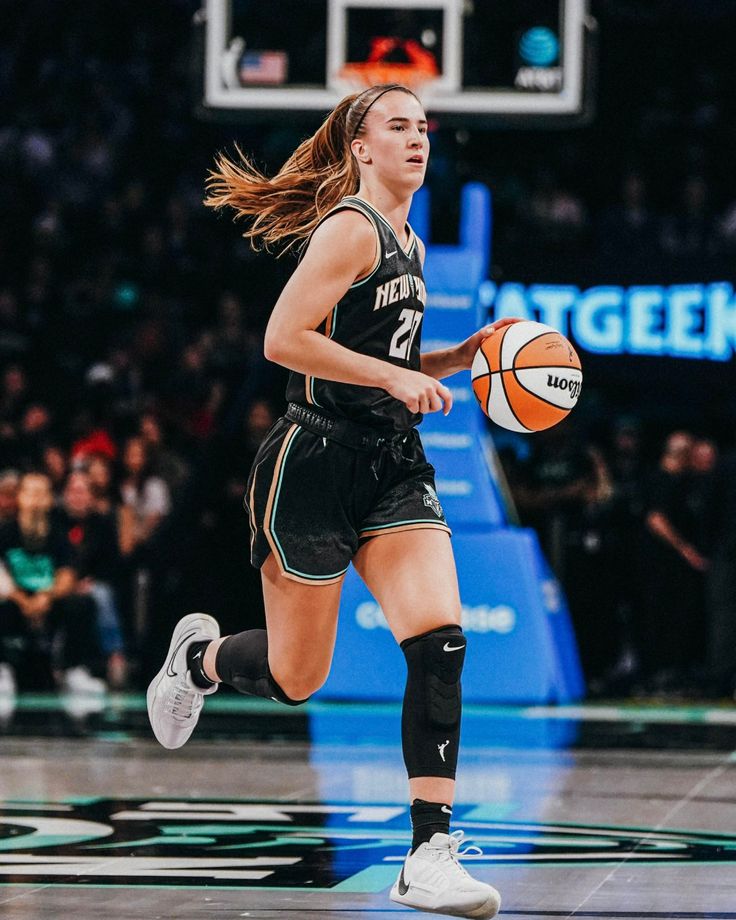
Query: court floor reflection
254	819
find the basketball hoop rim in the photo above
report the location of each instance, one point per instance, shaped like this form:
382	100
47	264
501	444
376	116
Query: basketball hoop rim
358	77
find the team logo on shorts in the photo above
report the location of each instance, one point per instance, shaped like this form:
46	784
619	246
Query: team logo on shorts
431	500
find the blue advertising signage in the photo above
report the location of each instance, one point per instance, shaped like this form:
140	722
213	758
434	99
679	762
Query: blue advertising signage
520	647
678	321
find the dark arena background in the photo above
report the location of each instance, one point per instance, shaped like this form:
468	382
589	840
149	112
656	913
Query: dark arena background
581	175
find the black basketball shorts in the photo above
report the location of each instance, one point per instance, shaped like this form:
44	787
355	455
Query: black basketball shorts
312	501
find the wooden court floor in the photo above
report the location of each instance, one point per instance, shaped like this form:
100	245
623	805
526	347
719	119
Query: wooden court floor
603	811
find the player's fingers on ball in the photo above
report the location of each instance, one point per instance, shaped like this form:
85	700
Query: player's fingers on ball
505	321
495	326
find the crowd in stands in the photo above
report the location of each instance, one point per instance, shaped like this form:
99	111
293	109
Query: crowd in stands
134	392
93	533
97	533
645	551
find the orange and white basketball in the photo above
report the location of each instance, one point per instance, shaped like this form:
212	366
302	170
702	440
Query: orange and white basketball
526	376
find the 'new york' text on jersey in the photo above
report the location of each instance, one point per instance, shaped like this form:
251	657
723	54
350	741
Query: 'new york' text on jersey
379	315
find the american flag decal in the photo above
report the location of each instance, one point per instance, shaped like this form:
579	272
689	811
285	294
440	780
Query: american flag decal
269	67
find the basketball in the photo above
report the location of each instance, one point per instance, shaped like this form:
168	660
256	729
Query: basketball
526	377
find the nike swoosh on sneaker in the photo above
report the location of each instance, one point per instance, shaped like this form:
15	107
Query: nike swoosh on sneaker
452	648
403	887
169	670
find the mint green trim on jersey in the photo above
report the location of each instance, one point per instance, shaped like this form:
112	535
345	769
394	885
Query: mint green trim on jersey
436	521
356	284
380	216
271	523
311	391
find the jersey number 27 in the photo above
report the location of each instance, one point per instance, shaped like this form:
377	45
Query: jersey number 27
403	338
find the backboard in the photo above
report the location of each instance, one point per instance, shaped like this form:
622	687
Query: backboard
468	59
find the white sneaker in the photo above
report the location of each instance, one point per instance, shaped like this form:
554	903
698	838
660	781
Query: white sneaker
80	705
174	701
432	879
8	693
79	681
8	687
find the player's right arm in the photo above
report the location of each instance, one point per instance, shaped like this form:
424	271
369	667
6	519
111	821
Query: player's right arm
341	250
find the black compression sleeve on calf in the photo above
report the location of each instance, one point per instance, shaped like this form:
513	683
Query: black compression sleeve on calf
242	662
430	718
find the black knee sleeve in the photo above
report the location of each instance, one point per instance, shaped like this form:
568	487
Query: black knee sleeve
242	662
430	719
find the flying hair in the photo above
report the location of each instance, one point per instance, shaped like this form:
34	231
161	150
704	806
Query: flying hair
286	208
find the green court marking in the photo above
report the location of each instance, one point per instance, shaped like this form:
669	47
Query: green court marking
276	842
8	803
32	841
155	841
631	713
369	881
113	736
383	877
494	811
38	701
684	714
158	887
297	832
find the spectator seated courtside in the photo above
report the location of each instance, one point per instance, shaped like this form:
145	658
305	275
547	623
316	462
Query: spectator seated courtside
41	615
93	538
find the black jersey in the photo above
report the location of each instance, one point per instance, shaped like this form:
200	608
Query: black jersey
379	315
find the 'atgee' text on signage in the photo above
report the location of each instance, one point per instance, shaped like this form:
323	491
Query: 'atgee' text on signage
683	320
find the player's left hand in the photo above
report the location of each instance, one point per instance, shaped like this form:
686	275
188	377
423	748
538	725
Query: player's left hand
466	350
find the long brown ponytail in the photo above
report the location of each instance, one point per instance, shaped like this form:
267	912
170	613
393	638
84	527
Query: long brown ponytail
320	172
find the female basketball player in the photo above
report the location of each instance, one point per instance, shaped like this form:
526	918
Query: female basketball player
342	476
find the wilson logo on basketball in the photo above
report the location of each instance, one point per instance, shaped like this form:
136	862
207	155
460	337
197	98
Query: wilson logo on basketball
561	383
